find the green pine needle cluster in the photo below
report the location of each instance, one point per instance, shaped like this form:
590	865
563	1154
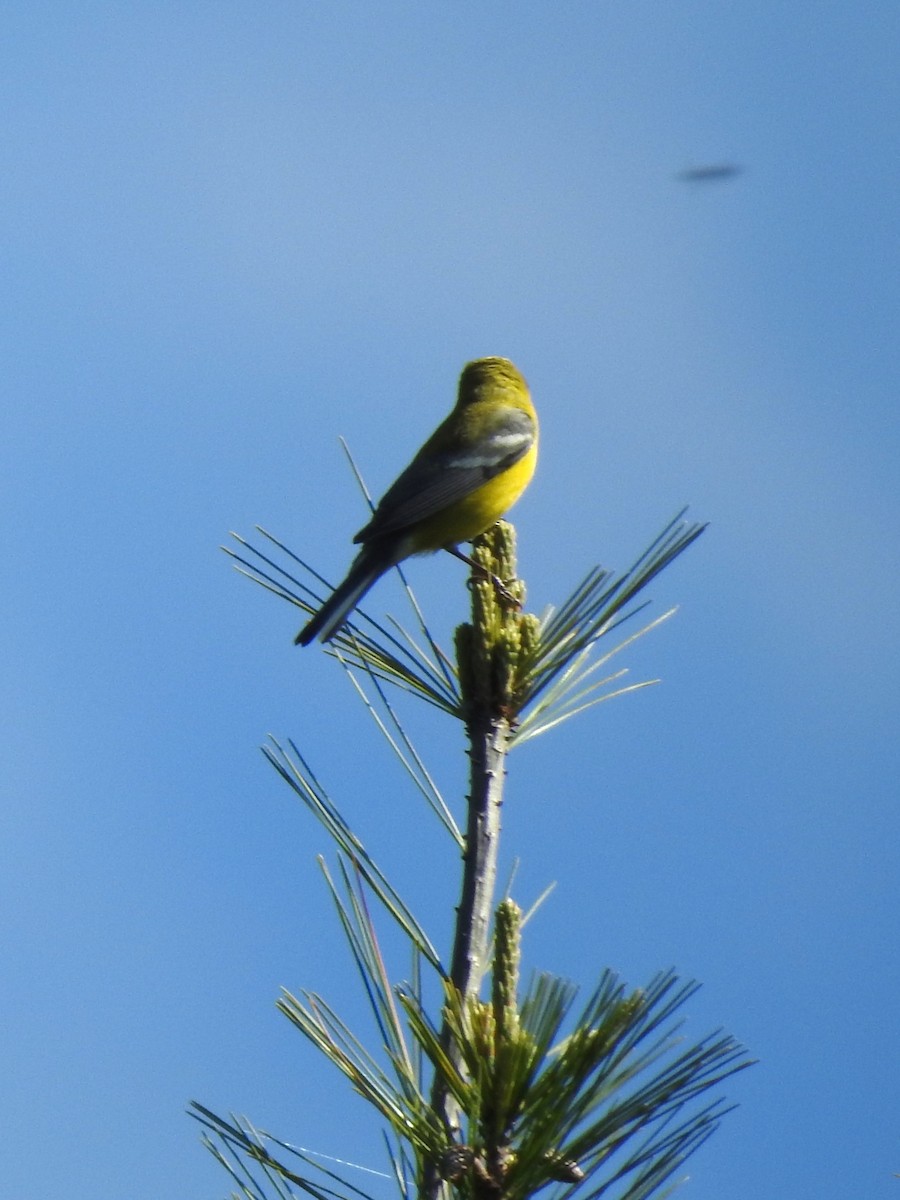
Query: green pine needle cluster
548	1101
552	664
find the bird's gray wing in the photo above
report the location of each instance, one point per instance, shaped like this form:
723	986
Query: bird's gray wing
436	479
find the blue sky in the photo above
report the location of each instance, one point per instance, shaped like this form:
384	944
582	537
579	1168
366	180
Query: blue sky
234	232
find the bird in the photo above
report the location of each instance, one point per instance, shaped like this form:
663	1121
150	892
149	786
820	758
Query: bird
471	470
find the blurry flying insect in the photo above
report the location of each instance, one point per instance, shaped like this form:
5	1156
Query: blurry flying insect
712	173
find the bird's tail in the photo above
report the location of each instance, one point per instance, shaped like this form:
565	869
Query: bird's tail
367	567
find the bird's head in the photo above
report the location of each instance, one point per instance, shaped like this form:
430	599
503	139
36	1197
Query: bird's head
488	379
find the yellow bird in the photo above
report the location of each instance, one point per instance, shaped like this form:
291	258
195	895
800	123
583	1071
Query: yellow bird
472	469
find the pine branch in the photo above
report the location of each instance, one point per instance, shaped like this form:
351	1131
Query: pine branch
488	652
521	1098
